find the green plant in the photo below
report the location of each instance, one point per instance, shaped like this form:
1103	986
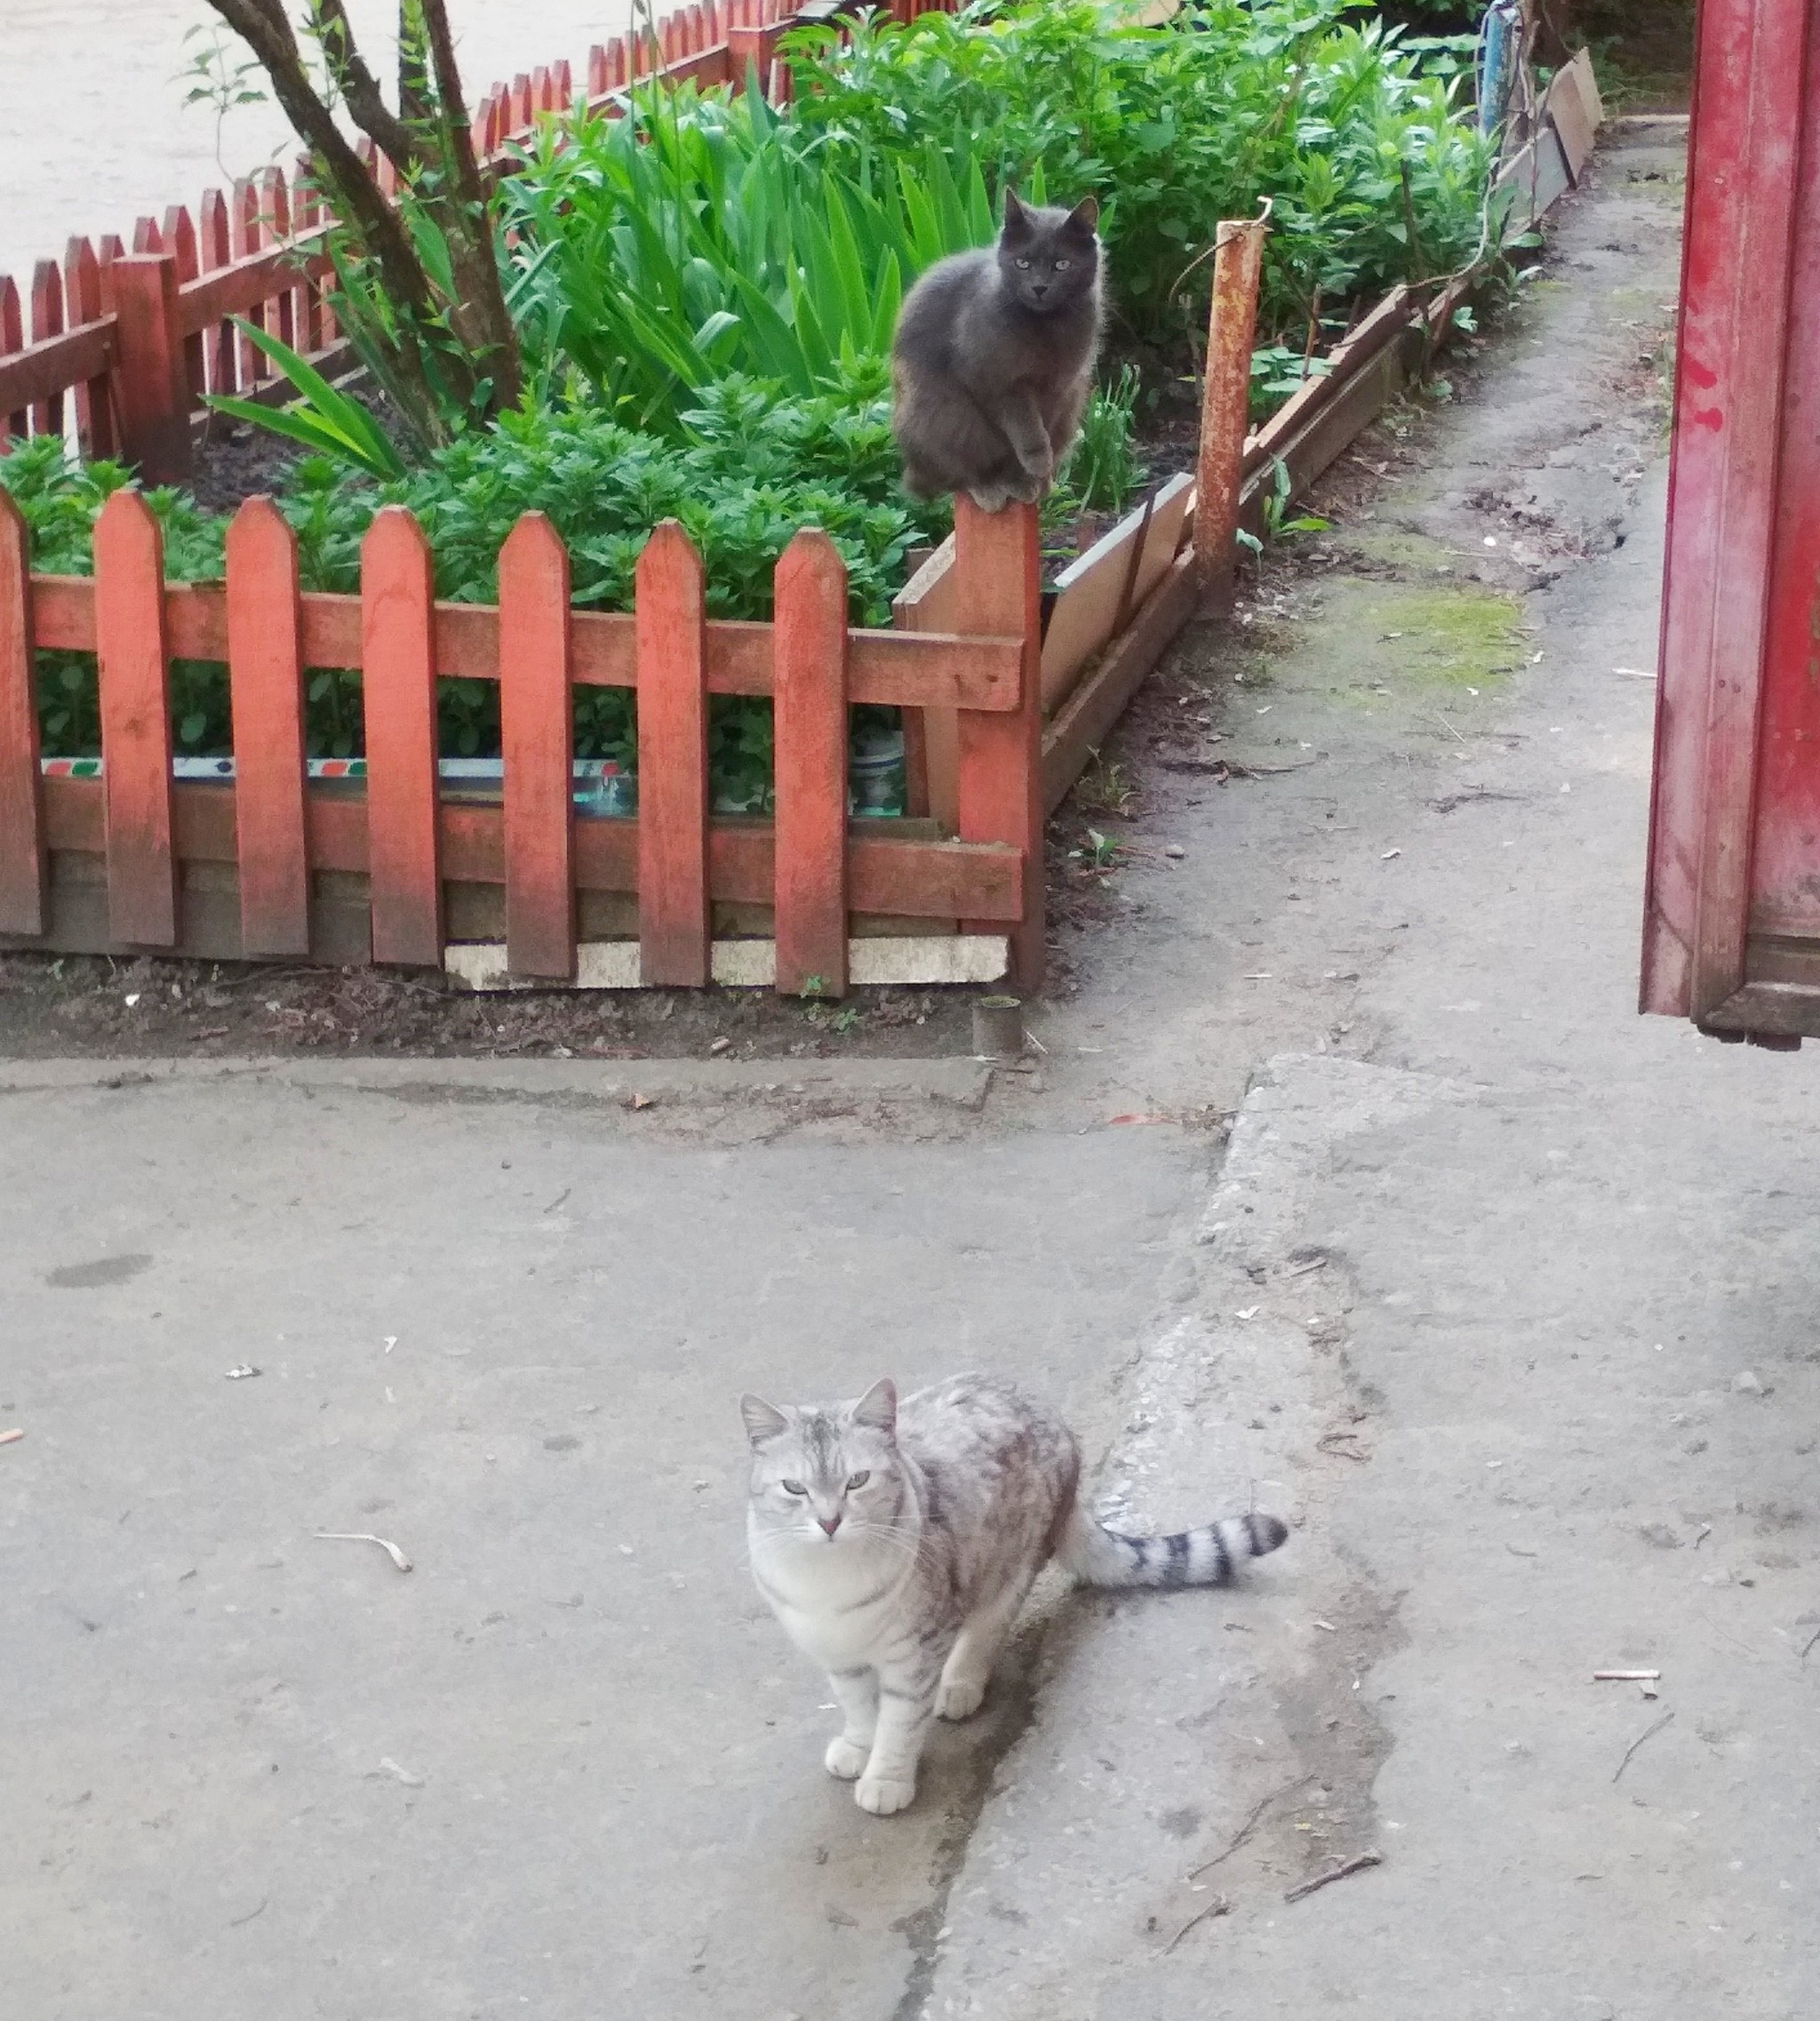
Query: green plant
1103	470
1277	523
418	288
320	418
1176	127
702	235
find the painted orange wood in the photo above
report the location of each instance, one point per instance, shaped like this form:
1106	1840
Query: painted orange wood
265	668
215	248
243	225
11	341
274	228
179	241
81	299
24	858
673	806
135	684
596	70
150	382
398	679
997	589
47	321
306	213
537	739
810	667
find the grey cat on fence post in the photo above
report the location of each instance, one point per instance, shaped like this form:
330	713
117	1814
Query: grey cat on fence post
897	1543
992	364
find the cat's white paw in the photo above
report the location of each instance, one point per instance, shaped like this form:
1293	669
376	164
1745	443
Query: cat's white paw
846	1758
991	498
959	1697
882	1795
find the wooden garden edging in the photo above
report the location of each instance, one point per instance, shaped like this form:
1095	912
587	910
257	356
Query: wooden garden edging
273	864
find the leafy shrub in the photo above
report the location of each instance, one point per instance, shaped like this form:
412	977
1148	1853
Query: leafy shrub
704	234
1376	177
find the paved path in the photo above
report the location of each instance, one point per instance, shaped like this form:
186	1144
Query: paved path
1470	1300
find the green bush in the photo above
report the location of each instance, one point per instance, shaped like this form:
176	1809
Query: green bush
1374	174
704	234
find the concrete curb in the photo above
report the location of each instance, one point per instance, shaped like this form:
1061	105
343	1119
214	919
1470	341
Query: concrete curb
950	1083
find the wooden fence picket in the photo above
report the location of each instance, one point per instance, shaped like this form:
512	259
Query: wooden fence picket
150	382
673	796
24	861
275	228
537	742
998	592
135	697
399	684
11	341
808	657
47	321
94	398
215	248
244	221
179	238
264	672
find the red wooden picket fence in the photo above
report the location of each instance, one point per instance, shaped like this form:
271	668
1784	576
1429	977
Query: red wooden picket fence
273	864
121	346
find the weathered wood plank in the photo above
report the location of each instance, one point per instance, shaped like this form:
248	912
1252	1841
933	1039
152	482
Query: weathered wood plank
398	662
673	794
24	855
537	739
264	672
810	742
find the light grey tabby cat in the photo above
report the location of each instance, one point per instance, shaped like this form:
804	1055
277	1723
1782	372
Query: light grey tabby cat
897	1543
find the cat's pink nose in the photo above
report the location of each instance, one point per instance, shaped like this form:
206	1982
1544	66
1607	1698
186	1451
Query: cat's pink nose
830	1523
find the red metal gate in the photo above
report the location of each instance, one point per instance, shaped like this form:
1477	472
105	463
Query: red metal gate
1732	924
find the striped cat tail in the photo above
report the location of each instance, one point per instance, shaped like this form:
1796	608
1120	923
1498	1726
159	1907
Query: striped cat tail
1101	1557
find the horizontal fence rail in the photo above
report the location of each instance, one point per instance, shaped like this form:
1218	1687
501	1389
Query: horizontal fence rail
118	862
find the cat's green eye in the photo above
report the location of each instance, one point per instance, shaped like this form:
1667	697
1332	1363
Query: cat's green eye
859	1480
1059	265
1023	263
793	1487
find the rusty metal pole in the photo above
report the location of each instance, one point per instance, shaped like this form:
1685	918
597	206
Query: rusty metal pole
1231	325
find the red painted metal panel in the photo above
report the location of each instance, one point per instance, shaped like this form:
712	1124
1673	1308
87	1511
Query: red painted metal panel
1732	924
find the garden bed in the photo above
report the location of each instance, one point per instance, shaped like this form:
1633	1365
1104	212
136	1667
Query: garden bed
817	410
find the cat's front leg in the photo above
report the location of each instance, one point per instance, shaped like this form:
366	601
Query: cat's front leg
1021	420
906	1706
857	1693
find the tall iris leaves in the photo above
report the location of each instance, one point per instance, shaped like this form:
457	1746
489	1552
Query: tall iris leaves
703	235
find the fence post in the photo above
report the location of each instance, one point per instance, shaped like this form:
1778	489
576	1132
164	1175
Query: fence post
152	389
1225	399
998	593
398	683
23	863
808	657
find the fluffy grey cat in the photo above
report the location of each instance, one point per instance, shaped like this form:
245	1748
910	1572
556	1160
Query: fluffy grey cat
897	1543
993	360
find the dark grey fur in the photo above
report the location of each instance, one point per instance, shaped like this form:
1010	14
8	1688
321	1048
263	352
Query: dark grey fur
992	364
896	1545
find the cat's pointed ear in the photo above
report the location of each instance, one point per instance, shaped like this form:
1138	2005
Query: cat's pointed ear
1016	218
1085	213
878	1408
762	1420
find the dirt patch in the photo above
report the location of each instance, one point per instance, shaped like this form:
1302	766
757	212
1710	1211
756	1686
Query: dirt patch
85	1006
